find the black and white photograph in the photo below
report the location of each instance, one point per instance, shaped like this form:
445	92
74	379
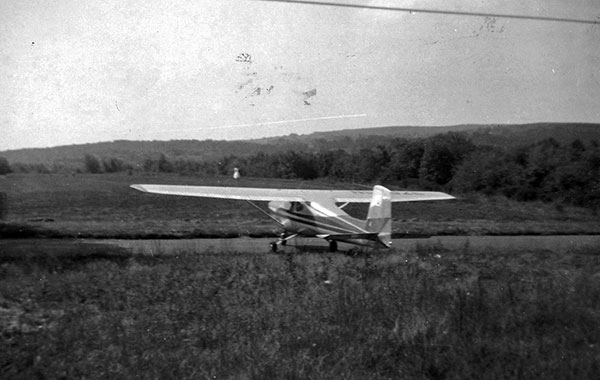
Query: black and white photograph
300	189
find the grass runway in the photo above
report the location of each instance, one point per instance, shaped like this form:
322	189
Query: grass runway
553	243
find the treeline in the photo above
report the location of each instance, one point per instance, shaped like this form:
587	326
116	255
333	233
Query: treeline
547	170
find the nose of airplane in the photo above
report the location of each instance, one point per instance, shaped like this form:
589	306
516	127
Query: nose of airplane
276	205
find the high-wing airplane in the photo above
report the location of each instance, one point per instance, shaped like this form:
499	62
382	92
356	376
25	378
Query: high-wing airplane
316	213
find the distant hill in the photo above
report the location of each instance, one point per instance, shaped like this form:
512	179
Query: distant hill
137	151
514	135
402	132
481	134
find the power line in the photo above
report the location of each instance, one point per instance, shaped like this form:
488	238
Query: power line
434	11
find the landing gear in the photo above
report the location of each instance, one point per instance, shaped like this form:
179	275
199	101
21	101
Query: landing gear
283	238
333	246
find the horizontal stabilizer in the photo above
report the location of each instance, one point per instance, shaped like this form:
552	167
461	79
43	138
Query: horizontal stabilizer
374	236
341	237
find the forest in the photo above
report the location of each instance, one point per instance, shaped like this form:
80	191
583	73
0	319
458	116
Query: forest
546	170
549	170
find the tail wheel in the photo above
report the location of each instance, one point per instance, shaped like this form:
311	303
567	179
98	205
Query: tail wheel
273	246
332	246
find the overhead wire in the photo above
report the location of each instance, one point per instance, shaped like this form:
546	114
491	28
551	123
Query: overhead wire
438	11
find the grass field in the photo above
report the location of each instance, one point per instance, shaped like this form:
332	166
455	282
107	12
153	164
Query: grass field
103	205
75	310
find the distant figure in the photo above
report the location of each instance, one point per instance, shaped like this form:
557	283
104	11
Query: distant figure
236	173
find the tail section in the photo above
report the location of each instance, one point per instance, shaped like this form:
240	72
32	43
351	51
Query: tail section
379	218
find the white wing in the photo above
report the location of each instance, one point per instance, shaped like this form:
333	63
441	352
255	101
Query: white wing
291	195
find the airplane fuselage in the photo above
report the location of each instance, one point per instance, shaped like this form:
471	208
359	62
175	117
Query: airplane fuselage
310	219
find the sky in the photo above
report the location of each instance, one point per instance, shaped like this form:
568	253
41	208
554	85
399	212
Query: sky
76	72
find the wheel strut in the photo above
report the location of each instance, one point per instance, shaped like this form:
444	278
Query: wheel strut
332	246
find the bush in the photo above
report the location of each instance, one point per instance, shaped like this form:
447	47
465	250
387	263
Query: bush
3	205
92	164
4	166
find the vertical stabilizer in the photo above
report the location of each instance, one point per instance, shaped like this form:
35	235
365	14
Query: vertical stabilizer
379	218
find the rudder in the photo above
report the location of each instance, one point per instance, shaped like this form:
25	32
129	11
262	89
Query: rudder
379	218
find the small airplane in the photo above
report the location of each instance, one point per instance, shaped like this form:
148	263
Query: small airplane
315	213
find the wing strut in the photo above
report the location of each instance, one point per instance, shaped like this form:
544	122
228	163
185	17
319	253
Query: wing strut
264	212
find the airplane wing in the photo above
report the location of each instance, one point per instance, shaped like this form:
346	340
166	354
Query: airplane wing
290	195
241	193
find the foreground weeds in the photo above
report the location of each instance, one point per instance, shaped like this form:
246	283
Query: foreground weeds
428	314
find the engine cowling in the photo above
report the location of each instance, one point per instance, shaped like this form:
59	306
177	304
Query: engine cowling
278	205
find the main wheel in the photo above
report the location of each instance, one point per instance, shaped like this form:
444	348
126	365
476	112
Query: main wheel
282	238
273	246
332	246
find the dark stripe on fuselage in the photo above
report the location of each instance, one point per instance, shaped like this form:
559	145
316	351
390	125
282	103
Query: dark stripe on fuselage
339	218
312	221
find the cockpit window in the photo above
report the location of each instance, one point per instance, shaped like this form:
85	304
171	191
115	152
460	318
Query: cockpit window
298	207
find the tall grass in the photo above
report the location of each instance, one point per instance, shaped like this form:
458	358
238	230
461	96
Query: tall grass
429	314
